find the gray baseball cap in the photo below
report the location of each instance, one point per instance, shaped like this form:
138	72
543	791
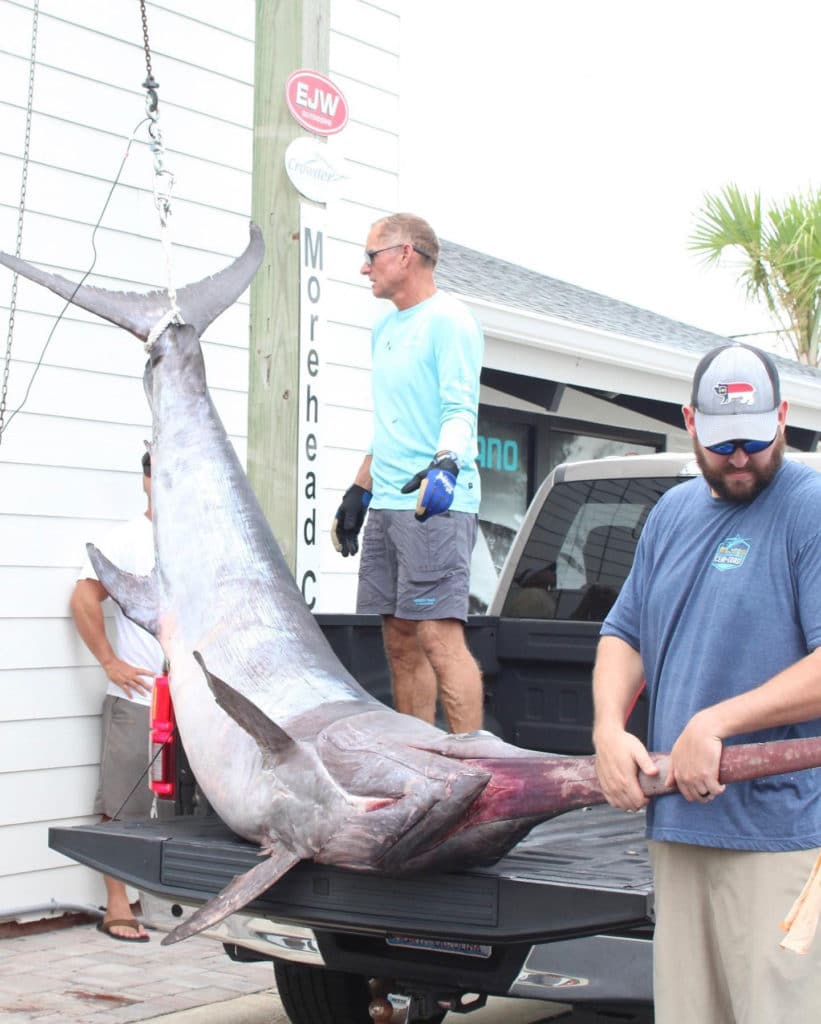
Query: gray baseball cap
736	394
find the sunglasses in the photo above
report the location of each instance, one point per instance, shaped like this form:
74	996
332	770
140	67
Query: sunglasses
371	254
729	447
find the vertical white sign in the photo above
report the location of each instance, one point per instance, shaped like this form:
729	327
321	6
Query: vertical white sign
312	328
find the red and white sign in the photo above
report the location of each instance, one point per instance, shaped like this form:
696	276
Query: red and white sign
316	103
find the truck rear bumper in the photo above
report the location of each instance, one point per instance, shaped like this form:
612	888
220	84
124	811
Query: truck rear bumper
593	969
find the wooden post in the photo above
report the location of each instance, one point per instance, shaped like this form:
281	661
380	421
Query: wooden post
290	34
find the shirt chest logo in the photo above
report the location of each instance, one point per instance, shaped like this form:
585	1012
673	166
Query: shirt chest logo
730	554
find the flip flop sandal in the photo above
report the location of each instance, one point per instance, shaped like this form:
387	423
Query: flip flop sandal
122	922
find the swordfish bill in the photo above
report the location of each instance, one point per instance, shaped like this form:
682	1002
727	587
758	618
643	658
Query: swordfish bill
292	753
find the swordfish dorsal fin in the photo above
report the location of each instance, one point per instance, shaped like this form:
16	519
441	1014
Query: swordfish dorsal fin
273	742
138	312
235	895
136	595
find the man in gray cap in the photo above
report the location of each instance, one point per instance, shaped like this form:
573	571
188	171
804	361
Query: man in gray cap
721	614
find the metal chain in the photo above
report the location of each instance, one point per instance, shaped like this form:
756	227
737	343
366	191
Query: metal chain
163	178
4	389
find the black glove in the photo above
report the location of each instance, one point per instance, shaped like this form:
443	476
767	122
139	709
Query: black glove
436	484
349	519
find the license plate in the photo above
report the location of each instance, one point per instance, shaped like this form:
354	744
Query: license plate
440	946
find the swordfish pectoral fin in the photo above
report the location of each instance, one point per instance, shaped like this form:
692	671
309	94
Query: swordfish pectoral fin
136	595
273	742
236	895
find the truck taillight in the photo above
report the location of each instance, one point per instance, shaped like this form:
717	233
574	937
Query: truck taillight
163	760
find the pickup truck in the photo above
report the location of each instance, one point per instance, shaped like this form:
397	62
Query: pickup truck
566	916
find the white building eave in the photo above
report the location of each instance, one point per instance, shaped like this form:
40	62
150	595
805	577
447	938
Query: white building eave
552	348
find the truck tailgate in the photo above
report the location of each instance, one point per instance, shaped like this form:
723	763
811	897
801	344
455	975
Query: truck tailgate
582	873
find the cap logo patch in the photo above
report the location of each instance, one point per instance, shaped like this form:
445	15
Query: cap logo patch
736	392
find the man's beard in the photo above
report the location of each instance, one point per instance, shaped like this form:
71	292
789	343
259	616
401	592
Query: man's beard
727	485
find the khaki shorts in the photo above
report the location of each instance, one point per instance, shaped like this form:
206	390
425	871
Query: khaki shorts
416	570
123	760
716	954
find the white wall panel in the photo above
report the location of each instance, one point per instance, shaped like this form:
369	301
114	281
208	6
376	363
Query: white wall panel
50	541
30	593
49	743
348	345
187	37
367	22
25	847
371	63
63	692
70	884
68	464
29	490
40	644
73	393
47	795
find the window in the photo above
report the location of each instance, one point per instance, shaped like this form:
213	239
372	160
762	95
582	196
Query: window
582	547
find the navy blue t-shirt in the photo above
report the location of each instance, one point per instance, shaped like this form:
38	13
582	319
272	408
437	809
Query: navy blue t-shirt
721	597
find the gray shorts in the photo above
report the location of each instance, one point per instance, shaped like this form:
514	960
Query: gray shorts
416	570
123	760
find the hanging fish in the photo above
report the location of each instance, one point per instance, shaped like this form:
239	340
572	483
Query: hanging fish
292	753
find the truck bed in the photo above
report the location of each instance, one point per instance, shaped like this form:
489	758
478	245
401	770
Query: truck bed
582	873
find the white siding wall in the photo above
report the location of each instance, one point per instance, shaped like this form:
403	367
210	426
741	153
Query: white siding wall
69	461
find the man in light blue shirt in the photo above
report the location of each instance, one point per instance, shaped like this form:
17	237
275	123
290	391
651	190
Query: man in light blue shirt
419	480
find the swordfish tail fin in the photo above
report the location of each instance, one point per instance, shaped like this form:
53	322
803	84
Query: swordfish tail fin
199	304
234	896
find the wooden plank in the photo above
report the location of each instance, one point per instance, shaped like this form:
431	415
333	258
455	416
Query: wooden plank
49	743
64	692
47	795
288	35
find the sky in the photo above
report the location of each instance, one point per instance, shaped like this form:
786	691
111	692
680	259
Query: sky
578	138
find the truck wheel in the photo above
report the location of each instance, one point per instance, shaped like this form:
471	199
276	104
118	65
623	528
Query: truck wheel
312	995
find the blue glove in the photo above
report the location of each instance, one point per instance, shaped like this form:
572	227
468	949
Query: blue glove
436	485
349	519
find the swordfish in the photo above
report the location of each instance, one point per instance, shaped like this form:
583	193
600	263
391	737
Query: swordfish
292	753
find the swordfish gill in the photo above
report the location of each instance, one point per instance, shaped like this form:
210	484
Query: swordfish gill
290	751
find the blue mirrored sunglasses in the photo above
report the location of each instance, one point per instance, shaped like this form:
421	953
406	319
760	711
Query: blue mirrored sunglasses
728	447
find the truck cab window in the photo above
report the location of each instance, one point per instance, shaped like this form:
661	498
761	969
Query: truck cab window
581	548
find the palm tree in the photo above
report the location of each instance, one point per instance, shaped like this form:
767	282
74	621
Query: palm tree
781	257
